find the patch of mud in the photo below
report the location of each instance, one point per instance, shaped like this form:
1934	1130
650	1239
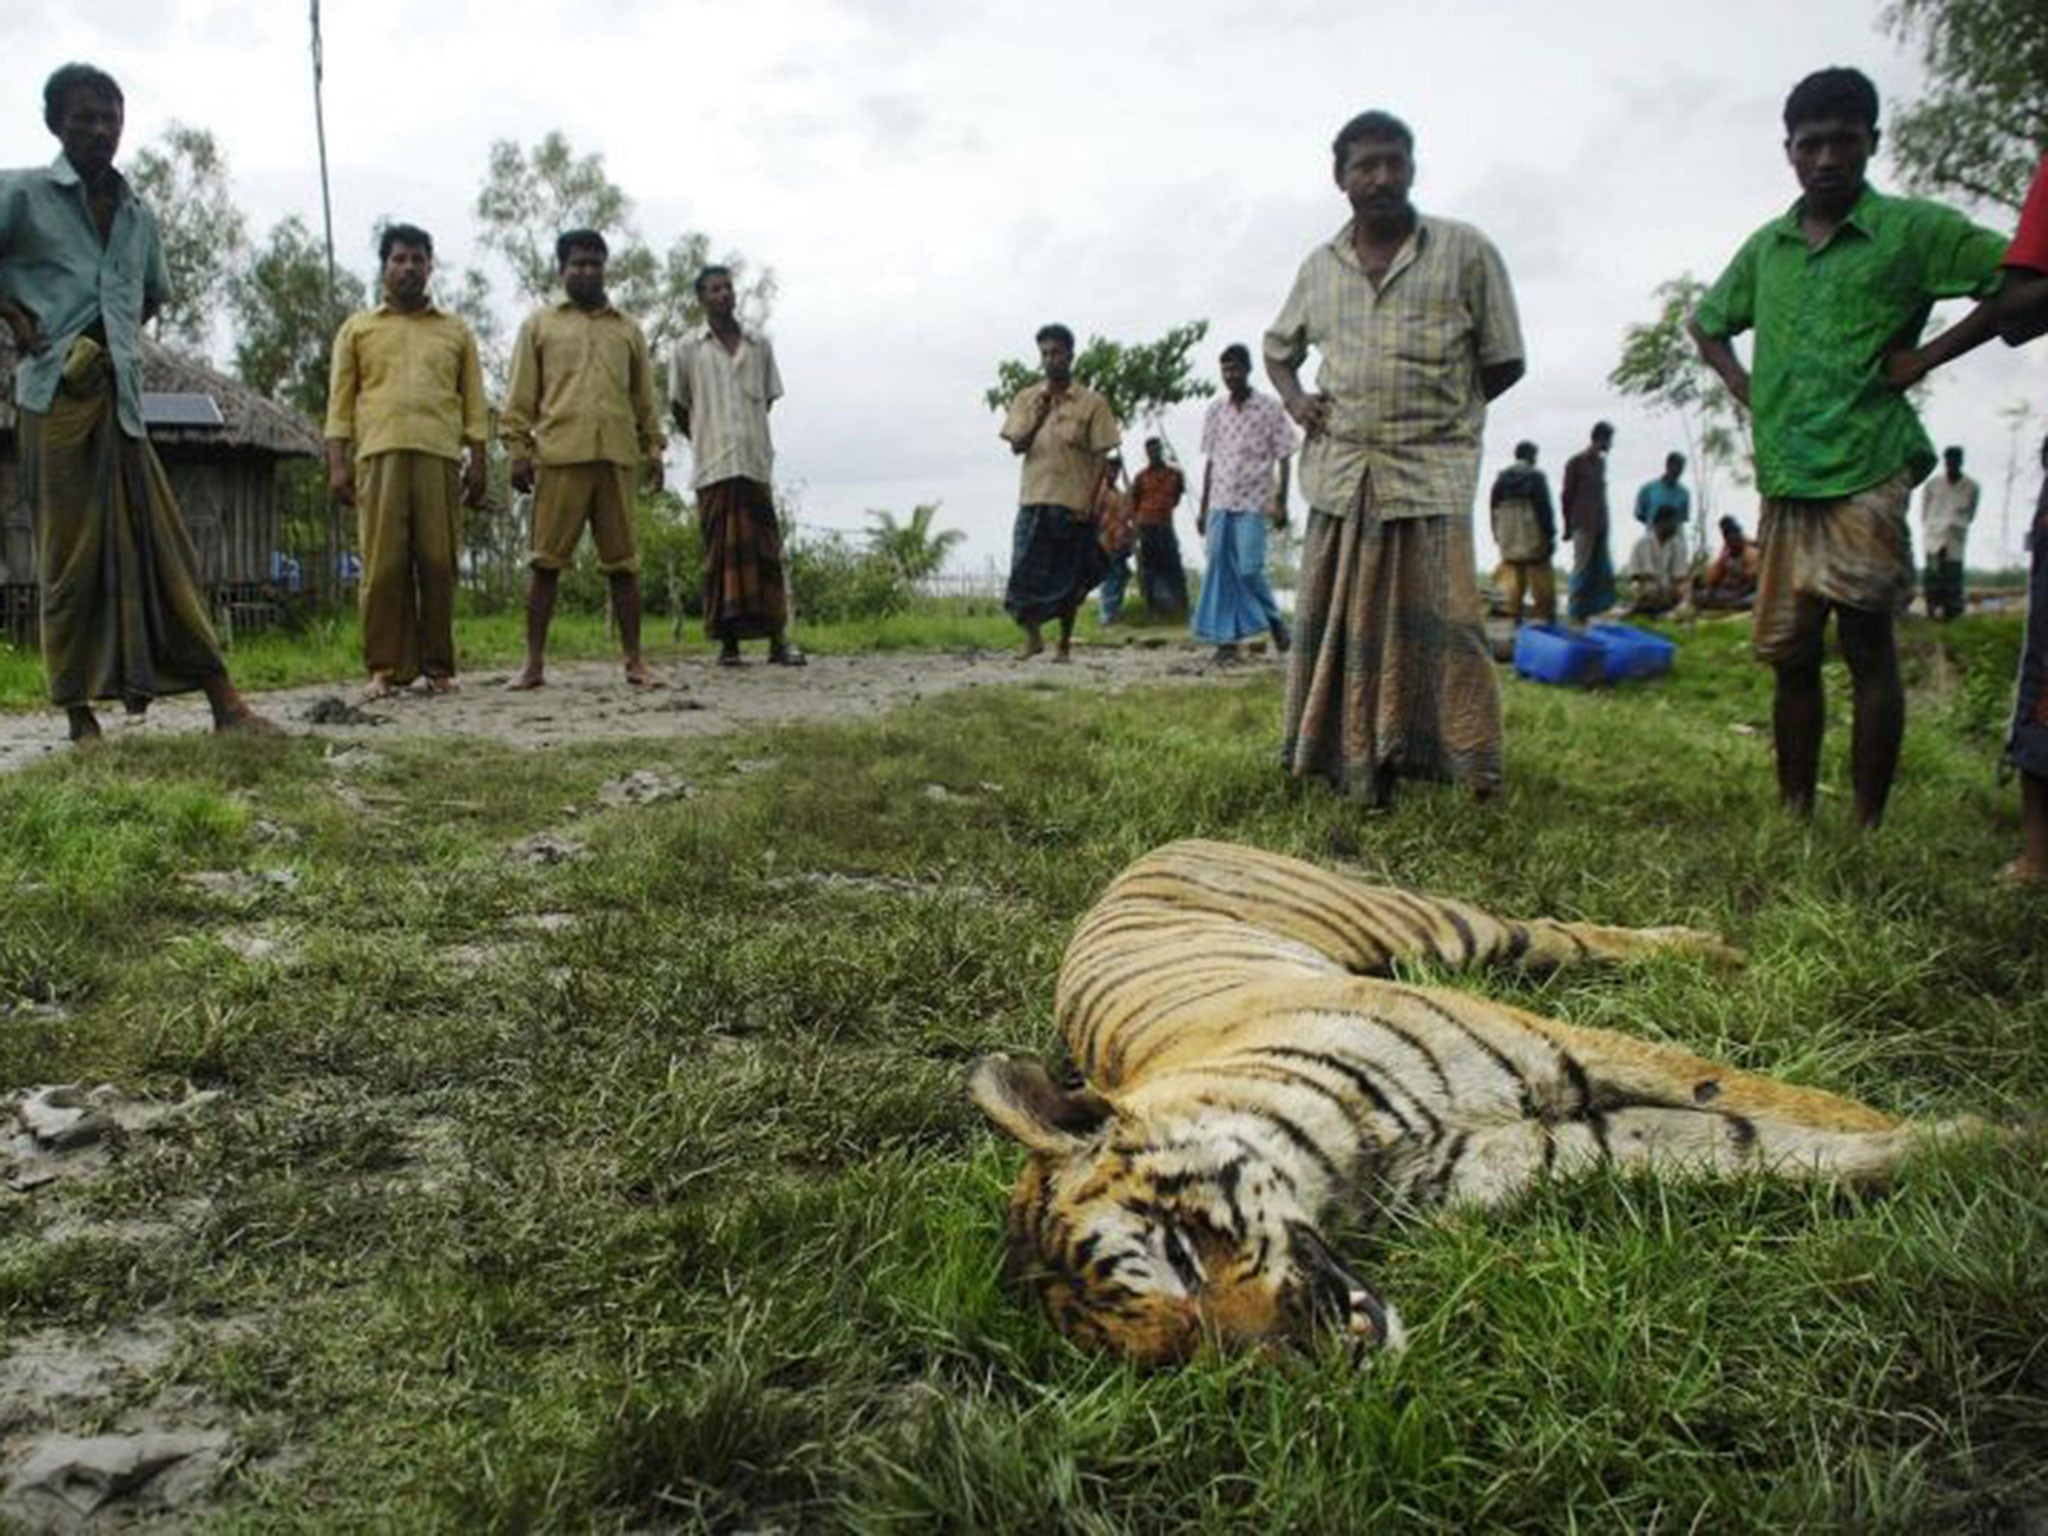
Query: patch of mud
548	848
262	944
881	885
333	709
62	1484
590	701
471	958
547	922
644	786
240	885
65	1131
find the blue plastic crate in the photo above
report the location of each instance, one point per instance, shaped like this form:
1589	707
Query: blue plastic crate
1628	653
1548	653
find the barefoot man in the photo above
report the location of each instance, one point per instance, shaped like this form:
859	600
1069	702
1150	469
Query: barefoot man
1065	434
579	419
405	402
81	272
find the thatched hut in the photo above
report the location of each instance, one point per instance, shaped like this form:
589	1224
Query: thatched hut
221	443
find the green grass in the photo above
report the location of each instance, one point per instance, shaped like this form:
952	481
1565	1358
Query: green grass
676	1217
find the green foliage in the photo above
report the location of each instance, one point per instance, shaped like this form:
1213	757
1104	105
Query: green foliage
1982	125
184	180
284	324
833	578
913	547
1141	380
1661	367
531	196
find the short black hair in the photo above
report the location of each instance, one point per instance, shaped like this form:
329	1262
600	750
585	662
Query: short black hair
403	234
1603	429
66	78
1729	525
1370	125
1674	461
1237	352
1834	92
705	275
1526	451
578	240
1052	330
1153	442
1952	451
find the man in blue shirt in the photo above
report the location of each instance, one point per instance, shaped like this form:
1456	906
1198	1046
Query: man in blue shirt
81	271
1665	492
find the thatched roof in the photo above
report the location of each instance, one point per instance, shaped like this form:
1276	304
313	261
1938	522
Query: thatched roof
250	422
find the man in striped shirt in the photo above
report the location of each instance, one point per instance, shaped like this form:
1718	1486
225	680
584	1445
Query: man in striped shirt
1415	322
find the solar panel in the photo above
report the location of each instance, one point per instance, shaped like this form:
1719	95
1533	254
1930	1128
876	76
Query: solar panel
161	409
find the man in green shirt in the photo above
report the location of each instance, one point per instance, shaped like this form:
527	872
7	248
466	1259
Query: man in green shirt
81	272
1845	276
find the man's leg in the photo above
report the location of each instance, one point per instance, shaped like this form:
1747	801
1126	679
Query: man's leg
625	590
1511	585
385	597
1543	591
2032	864
437	541
1879	721
1065	652
1799	712
542	587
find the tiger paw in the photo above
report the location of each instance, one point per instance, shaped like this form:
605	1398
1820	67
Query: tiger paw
1693	941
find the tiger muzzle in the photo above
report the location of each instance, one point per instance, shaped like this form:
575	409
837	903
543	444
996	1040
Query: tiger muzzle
1329	1295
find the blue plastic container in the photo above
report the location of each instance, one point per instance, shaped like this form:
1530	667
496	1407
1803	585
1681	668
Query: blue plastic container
1550	654
1628	653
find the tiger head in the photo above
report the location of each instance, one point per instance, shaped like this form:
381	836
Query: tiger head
1154	1234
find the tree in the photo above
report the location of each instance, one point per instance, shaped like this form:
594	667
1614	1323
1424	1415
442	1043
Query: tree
1981	127
184	180
912	547
531	196
1661	367
283	324
1140	380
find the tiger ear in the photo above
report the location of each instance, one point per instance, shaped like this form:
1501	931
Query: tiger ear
1022	1101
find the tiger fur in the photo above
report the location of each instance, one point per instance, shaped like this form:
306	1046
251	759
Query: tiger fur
1249	1063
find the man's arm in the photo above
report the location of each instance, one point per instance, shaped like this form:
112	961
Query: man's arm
640	384
1280	498
1202	508
1718	353
341	416
1725	311
1502	357
476	421
2018	312
1285	349
679	387
1021	424
522	406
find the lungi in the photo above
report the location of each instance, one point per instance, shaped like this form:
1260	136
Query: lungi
746	590
123	613
1591	592
1237	601
2026	744
1161	577
1391	675
1054	563
1848	552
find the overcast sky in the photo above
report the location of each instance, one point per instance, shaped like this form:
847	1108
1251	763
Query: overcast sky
931	179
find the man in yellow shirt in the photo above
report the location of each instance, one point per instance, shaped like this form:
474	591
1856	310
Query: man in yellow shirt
404	403
579	419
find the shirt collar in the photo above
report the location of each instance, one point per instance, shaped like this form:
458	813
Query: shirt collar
65	174
1410	251
386	307
1864	217
606	308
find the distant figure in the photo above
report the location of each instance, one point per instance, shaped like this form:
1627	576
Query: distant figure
1064	432
1115	538
580	420
1729	584
1415	322
1248	441
722	382
1584	503
1525	530
405	405
1156	491
2019	313
1948	505
1659	570
1828	286
81	272
1667	491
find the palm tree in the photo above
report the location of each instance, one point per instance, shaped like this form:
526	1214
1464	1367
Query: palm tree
912	547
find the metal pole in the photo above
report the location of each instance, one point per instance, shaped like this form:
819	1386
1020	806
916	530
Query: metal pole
329	575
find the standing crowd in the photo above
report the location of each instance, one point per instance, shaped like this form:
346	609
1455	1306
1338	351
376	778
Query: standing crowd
1412	324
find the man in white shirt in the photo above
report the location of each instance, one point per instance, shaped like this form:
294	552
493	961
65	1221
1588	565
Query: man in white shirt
1947	506
1659	570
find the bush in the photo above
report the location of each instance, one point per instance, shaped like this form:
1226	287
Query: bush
831	579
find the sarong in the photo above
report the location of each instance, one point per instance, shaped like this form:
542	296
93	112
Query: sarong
1160	576
2026	745
1054	563
1391	676
409	515
1849	552
1237	601
123	612
746	591
1941	584
1591	592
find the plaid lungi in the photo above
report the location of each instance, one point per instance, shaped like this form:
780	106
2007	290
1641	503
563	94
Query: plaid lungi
1391	676
1055	561
2026	745
123	612
1849	552
746	592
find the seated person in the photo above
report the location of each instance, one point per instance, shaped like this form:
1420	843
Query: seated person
1659	570
1730	580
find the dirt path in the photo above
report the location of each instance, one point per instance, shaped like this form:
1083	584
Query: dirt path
589	701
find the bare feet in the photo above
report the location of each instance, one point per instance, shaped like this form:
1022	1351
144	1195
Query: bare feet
783	654
442	685
85	725
1033	646
379	687
245	722
639	675
731	657
528	678
2022	872
1063	652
